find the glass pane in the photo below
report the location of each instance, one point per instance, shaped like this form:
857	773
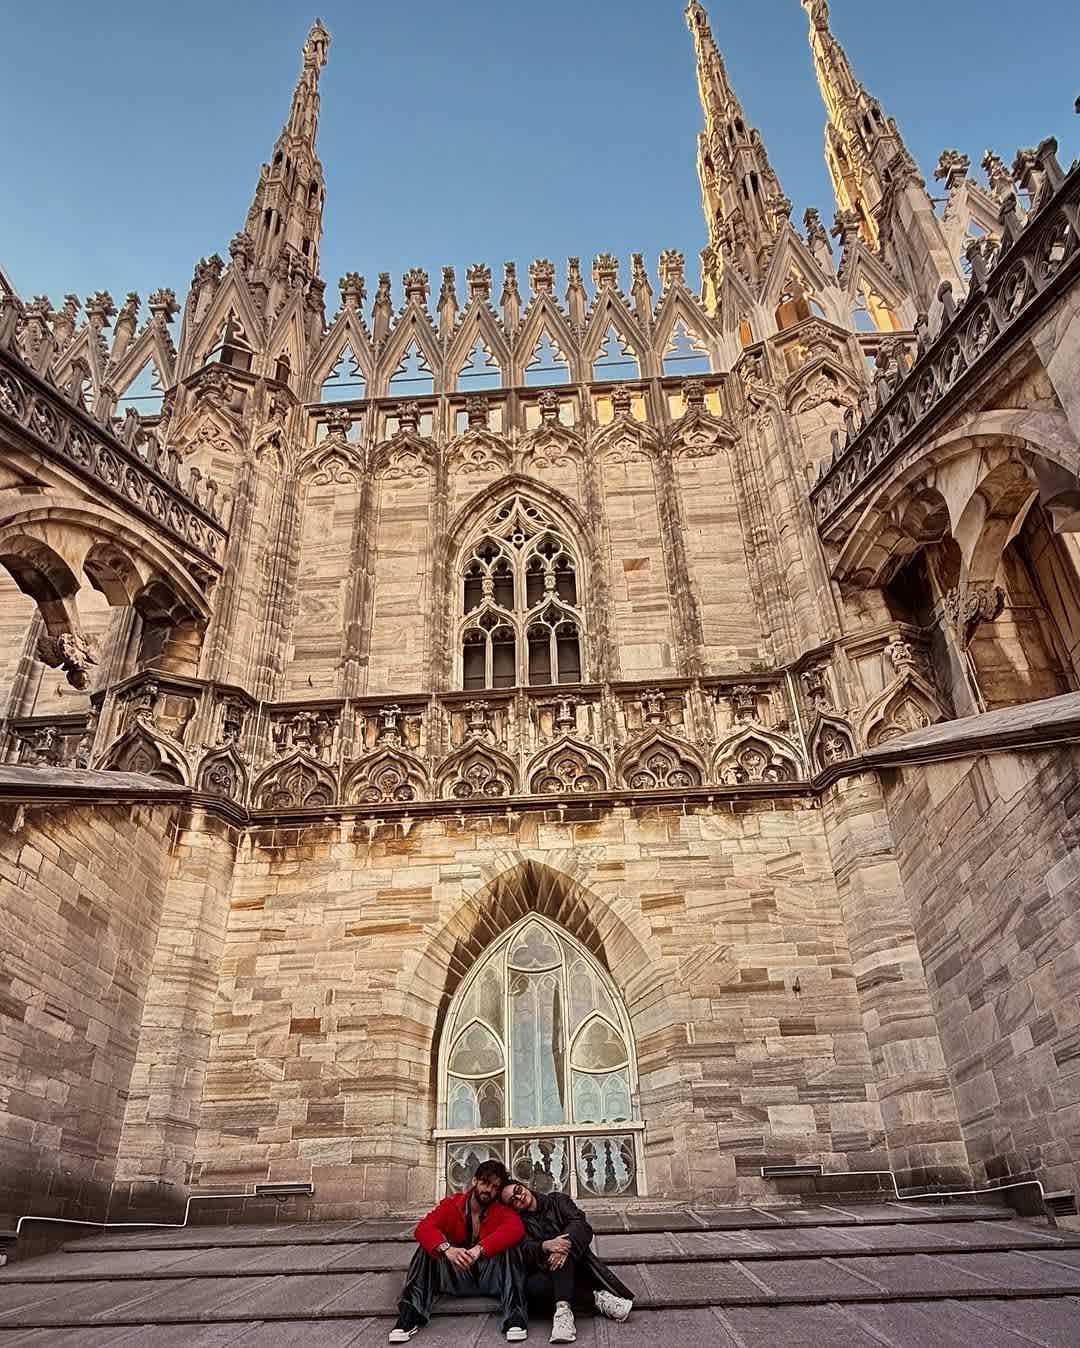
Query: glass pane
599	1047
462	1158
601	1099
536	1048
477	1053
543	1163
475	1104
605	1165
588	994
535	949
484	999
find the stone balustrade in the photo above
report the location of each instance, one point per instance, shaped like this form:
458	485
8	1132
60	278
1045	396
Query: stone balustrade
1012	281
132	468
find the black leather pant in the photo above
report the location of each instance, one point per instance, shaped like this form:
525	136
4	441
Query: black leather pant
544	1286
500	1277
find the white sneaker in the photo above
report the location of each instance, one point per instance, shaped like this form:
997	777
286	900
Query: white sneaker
515	1334
402	1335
612	1307
563	1329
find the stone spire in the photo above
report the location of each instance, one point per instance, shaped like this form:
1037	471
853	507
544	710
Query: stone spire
744	205
872	169
863	148
285	219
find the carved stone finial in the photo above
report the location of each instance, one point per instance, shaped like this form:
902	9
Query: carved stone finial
100	308
416	286
694	394
163	305
744	699
622	400
478	279
549	403
542	276
815	230
605	271
351	287
338	423
476	410
672	268
952	169
242	249
408	416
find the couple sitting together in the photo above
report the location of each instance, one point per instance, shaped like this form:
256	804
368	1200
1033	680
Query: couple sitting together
500	1239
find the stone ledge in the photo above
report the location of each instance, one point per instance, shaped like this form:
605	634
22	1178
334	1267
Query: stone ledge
26	784
1032	725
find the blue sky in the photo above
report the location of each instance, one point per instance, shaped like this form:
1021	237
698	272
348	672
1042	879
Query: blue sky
452	133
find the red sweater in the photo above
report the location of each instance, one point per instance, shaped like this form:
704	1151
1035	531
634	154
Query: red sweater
500	1226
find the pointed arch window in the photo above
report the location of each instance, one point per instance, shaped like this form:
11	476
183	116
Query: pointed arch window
413	375
685	353
547	364
520	610
144	394
537	1069
616	358
345	381
480	371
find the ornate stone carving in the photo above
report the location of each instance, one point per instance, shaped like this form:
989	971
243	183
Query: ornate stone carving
568	768
221	773
71	652
389	775
753	758
659	762
967	606
309	732
300	782
477	771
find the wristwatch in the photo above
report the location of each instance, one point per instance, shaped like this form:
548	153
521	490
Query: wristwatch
441	1249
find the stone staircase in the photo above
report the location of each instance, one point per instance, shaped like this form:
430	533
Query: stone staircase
857	1275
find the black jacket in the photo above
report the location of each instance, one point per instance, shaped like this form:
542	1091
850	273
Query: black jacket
558	1215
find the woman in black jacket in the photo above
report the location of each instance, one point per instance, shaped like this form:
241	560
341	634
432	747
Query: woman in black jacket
559	1261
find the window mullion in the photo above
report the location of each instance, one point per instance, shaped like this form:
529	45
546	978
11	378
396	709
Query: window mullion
489	661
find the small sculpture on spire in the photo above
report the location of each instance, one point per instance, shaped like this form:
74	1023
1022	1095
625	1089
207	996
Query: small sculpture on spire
316	46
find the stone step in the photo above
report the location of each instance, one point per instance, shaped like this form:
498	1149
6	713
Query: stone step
696	1220
80	1264
724	1283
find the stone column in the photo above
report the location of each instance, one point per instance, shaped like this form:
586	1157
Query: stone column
922	1128
157	1144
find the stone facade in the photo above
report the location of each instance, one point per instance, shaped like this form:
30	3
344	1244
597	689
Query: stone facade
631	611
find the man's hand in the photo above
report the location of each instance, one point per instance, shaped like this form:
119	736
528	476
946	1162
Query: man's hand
477	1252
459	1259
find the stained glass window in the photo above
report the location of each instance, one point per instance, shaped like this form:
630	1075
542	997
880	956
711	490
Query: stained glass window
537	1040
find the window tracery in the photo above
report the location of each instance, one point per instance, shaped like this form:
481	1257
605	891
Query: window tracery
519	602
537	1056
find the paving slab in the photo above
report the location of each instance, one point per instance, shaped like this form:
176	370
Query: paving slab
673	1328
660	1221
68	1307
1053	1322
797	1277
914	1275
641	1246
797	1327
1015	1271
937	1324
698	1282
307	1334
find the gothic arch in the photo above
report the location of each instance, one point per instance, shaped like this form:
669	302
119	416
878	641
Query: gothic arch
221	773
385	776
756	756
567	767
660	762
140	750
909	703
831	741
476	771
466	523
298	782
334	460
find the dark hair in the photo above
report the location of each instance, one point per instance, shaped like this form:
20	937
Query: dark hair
492	1170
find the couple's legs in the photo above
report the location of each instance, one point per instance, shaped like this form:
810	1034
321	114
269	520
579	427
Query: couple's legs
499	1277
545	1287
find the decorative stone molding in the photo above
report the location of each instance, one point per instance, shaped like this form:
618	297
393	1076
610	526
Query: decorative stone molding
299	782
221	773
71	652
476	771
568	768
389	775
753	757
967	606
657	762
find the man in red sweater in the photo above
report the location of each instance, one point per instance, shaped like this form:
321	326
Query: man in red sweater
467	1249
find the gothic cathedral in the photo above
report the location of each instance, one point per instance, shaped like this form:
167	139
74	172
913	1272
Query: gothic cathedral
570	718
